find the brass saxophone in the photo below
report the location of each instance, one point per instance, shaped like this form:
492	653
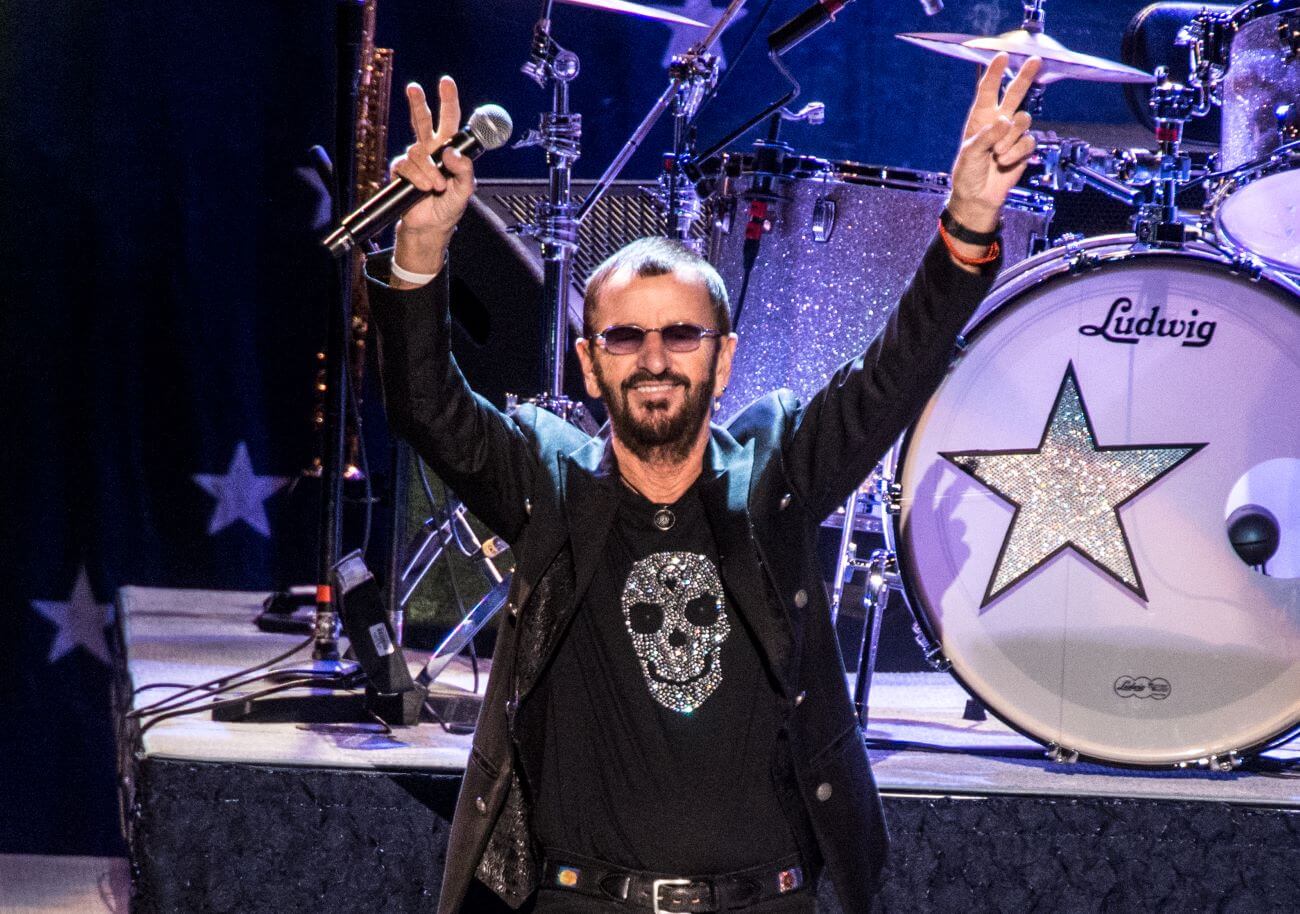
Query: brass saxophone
370	151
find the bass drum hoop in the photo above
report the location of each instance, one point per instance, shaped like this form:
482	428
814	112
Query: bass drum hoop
1030	273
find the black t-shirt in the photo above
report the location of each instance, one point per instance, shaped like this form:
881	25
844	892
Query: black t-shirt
660	718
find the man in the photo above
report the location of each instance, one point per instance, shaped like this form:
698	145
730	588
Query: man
666	724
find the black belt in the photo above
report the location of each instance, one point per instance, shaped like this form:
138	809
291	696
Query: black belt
665	894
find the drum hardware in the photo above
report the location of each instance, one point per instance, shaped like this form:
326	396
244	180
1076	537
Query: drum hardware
1072	164
1288	121
823	220
1077	258
882	577
1157	221
687	75
1204	74
1228	761
1148	180
862	511
555	227
1059	755
1288	34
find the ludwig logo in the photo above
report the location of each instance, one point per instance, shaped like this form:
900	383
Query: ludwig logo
1142	687
1123	326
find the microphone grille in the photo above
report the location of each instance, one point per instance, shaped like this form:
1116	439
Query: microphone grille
491	126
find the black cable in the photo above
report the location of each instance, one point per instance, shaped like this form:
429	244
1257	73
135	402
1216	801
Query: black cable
227	702
424	484
437	718
220	680
231	686
904	745
1246	166
355	405
165	685
749	257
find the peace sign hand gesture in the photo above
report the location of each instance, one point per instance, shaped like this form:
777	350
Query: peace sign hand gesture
425	229
995	147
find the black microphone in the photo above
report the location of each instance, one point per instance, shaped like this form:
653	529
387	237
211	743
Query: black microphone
488	128
804	24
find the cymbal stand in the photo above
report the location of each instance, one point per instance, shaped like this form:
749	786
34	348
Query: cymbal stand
695	76
555	228
1156	221
691	77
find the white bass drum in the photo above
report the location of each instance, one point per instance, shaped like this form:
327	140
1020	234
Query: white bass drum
1067	493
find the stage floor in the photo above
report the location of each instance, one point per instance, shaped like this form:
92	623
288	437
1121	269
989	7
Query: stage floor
31	884
249	817
193	636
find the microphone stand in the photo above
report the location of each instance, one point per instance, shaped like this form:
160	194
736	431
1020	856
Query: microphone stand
326	624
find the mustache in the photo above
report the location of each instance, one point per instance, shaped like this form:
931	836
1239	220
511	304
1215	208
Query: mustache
642	376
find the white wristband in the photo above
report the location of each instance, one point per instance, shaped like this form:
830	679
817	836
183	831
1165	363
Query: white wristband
419	279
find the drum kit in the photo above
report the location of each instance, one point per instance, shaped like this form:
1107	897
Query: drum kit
1095	520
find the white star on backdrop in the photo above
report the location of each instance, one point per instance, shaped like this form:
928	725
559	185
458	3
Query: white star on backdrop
80	619
240	493
683	36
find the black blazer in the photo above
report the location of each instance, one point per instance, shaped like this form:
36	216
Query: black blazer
770	477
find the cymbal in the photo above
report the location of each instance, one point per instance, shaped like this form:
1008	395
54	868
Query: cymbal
636	9
1059	62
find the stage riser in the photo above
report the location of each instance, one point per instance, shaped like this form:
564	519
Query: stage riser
228	838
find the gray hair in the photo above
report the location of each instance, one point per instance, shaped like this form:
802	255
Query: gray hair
656	256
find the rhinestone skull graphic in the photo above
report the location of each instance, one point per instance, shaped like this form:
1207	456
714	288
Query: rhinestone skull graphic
673	608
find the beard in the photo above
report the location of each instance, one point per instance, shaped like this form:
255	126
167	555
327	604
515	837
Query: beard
661	436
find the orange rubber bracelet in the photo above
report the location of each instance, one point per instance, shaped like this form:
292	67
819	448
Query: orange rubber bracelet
995	251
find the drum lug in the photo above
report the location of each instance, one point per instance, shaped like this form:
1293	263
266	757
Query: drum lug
1077	259
1060	755
1287	116
933	652
1288	33
1228	761
823	220
1248	265
887	493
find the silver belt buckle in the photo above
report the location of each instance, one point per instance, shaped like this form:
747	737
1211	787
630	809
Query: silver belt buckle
660	883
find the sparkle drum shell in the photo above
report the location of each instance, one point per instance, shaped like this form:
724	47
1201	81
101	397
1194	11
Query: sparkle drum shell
844	241
1207	661
1257	209
1262	72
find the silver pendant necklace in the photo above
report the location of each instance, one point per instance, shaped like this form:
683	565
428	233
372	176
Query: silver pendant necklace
663	517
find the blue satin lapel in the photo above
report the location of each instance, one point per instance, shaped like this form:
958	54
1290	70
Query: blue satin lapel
726	504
